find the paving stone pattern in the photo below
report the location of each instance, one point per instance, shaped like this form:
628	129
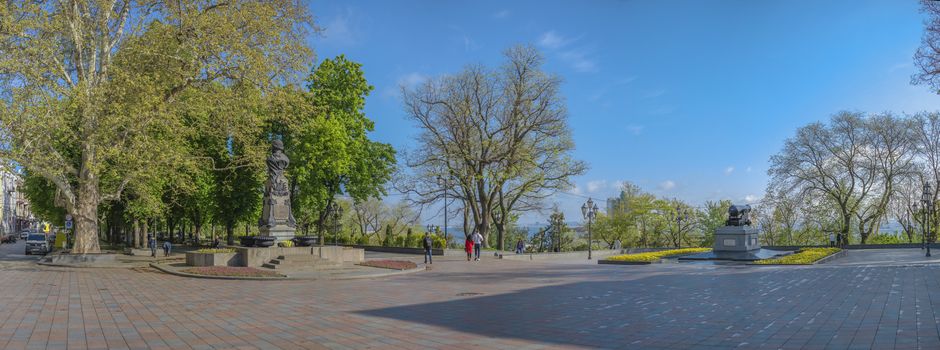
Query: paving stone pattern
479	305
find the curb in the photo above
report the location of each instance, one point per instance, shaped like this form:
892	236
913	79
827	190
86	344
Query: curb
615	262
375	275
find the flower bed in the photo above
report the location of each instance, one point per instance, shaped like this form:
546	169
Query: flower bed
650	257
806	256
390	264
215	250
231	271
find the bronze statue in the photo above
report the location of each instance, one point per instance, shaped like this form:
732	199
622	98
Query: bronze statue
276	210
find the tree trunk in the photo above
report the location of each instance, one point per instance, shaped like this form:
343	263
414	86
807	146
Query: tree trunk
85	213
230	233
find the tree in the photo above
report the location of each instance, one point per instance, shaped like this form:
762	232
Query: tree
328	144
927	56
829	161
91	91
714	217
499	137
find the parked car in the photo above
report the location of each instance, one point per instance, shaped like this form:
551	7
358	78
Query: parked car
37	243
24	234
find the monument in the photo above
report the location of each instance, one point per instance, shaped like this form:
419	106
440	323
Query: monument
277	220
737	240
737	235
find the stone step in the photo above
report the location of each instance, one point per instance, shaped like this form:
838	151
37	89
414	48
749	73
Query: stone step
299	257
321	262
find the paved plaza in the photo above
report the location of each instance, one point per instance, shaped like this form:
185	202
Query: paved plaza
490	304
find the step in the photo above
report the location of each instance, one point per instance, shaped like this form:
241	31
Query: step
304	262
299	257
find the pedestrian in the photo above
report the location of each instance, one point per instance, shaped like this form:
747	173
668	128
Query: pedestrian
166	248
216	243
477	244
617	244
152	244
520	246
839	239
427	248
468	247
832	239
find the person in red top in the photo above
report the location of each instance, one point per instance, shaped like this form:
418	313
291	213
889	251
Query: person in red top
468	247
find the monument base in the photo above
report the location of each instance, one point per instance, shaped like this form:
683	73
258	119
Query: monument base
736	239
283	233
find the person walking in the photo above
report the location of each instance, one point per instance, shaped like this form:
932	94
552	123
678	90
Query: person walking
427	248
166	248
477	245
468	247
152	244
520	247
832	239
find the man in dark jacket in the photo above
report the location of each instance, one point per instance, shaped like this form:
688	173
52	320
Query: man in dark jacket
166	248
152	244
427	248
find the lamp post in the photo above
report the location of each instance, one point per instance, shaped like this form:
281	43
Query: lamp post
443	182
927	202
680	216
336	212
589	211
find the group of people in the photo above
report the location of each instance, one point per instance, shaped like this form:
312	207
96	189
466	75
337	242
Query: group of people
835	240
473	245
152	244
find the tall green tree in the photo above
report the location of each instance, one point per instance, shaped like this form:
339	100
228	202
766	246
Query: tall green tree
90	91
328	142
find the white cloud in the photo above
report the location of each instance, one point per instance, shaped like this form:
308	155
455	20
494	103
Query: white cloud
579	61
501	14
750	198
576	190
412	80
729	170
667	185
635	129
593	186
553	41
342	29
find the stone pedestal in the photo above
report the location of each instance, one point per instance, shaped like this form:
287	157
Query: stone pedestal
283	233
736	239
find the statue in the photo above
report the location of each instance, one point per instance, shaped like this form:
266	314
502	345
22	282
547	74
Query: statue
276	216
738	215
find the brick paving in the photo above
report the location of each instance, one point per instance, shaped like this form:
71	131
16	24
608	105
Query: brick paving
481	305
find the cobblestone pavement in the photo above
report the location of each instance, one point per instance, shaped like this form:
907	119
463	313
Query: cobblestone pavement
480	305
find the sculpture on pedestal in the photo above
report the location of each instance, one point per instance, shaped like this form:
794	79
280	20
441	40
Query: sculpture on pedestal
277	220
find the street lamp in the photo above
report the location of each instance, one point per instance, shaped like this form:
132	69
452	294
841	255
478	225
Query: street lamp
589	211
443	182
336	212
927	201
680	216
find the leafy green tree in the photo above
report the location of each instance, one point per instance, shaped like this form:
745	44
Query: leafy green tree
41	196
328	144
91	91
716	213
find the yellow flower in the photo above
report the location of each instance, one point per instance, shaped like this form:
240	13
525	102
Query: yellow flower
802	257
655	256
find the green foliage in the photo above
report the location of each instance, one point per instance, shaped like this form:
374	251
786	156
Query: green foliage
886	238
327	140
41	196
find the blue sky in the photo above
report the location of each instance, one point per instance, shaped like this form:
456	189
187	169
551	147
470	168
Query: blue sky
688	99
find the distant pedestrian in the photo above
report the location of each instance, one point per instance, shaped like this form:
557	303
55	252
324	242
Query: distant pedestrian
216	243
166	248
839	239
152	244
617	244
832	239
468	247
520	247
477	244
427	248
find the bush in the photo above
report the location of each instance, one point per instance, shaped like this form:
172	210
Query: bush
285	244
804	257
363	240
655	256
886	238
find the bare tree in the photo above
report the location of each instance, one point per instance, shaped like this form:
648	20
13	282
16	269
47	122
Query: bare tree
499	138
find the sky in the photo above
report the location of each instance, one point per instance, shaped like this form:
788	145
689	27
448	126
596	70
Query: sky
687	99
